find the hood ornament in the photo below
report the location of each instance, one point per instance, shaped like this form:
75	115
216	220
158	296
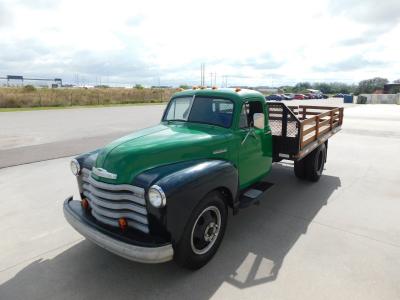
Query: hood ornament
103	173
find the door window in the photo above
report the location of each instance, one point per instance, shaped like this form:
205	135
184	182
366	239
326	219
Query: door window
247	113
243	121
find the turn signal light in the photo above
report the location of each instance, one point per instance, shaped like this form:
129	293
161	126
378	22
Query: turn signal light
123	224
85	204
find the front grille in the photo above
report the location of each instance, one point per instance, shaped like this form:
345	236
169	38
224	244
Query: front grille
109	202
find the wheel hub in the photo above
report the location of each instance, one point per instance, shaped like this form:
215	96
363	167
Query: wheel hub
211	232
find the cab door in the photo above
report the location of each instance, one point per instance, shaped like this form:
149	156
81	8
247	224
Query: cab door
254	145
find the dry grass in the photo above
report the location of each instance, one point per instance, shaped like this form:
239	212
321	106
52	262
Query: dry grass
22	98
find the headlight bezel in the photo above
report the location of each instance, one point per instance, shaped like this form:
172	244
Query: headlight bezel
158	191
75	167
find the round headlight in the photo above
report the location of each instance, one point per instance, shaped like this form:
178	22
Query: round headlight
156	196
75	167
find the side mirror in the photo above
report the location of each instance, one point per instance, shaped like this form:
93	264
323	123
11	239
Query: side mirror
258	120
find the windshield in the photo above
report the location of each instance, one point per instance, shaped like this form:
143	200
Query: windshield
200	110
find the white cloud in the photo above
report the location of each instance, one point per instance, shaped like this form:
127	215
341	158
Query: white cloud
252	42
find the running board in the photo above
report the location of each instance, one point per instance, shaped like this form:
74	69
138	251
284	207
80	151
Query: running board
253	194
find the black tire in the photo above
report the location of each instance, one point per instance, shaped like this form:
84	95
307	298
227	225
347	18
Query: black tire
299	169
185	250
314	163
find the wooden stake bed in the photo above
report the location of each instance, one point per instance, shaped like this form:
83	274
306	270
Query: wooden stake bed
298	130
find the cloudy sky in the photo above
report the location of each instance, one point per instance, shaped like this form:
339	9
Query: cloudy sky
250	42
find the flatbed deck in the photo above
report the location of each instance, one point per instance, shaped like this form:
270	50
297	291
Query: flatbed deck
298	130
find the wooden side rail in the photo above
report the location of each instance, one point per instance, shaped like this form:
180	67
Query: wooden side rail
320	123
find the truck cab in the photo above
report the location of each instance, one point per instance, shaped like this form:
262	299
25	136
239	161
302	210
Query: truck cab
164	192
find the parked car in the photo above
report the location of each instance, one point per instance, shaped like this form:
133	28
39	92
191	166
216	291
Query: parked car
318	96
165	192
339	95
284	97
289	96
324	96
274	97
313	96
299	97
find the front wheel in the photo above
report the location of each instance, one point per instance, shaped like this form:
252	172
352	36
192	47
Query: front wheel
203	233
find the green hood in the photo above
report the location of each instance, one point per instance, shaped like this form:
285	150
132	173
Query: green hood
160	145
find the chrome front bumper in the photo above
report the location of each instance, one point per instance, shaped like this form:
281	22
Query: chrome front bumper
129	251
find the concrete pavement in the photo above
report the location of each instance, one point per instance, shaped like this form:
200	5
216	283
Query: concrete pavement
335	239
31	136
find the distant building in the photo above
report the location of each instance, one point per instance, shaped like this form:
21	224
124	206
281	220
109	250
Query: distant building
18	80
391	88
161	87
266	89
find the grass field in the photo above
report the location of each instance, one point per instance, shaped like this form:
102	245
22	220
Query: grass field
15	98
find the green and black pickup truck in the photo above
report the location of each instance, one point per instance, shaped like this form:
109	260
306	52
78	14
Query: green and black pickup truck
164	192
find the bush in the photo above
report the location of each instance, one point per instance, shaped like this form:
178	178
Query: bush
19	97
138	87
29	88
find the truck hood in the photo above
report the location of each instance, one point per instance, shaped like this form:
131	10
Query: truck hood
159	145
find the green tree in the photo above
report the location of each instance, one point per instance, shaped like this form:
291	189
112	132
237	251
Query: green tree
138	86
301	86
286	89
324	87
369	86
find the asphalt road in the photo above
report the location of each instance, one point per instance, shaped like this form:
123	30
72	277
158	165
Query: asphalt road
335	239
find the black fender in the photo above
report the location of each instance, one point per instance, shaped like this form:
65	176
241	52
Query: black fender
185	184
87	160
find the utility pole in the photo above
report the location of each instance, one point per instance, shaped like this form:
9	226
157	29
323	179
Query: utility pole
202	74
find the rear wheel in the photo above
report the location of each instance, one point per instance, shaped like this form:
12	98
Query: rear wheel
314	164
203	233
299	169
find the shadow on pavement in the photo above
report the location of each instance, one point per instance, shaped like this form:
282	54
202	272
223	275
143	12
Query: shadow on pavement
252	253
